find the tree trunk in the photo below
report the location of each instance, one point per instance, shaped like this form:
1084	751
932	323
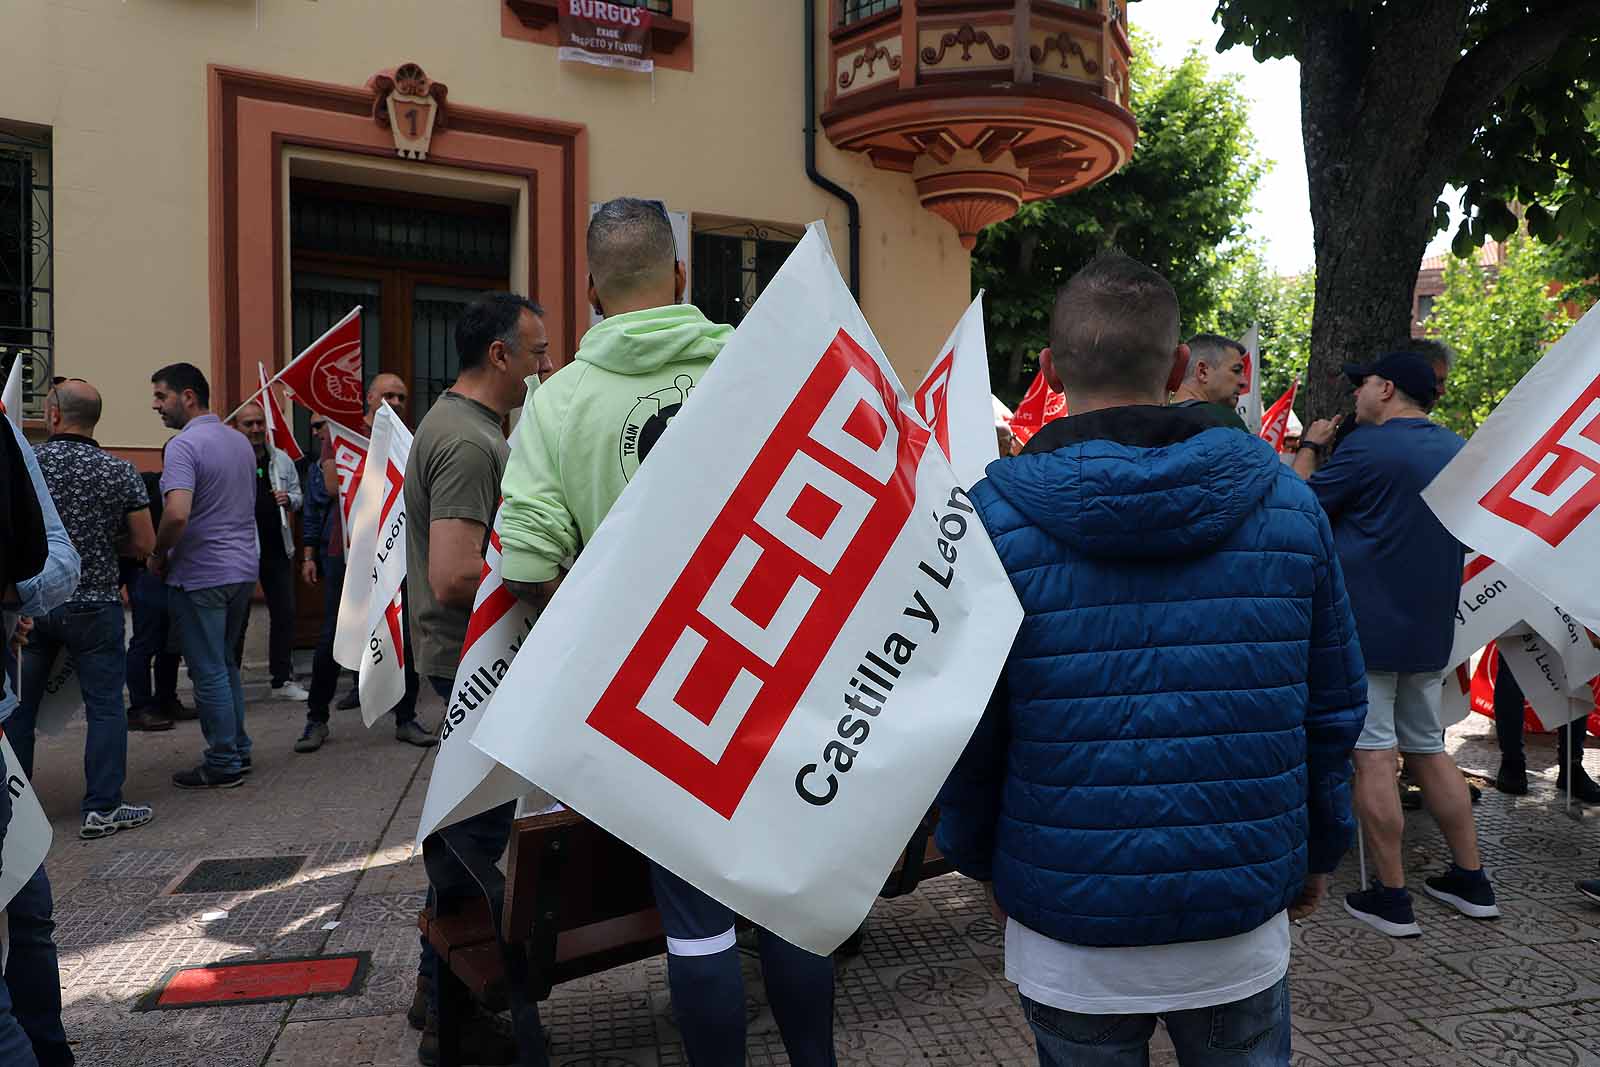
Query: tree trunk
1374	174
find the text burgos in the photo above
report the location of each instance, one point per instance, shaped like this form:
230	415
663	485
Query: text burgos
601	11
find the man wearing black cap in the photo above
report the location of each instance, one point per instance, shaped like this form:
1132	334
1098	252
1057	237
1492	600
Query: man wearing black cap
1403	571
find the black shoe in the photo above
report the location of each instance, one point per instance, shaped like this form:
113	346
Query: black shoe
244	765
350	700
1590	889
1410	797
1385	910
147	719
1512	779
175	709
1584	789
1469	892
421	1001
485	1039
1474	792
203	777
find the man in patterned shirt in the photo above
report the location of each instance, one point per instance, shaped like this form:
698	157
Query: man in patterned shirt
104	507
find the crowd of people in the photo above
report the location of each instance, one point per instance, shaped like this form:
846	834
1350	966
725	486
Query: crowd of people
1146	825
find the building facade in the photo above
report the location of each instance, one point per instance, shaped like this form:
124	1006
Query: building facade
220	182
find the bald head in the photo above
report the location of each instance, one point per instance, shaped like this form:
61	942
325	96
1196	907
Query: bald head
633	261
76	408
388	389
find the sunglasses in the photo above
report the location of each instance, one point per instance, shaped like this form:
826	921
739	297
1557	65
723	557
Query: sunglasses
57	380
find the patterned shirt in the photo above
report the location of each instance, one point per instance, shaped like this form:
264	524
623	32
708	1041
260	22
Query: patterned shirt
94	491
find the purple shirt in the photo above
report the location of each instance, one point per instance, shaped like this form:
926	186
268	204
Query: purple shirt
217	464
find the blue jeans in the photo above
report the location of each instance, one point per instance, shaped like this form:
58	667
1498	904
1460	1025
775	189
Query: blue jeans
1253	1032
92	633
147	594
210	622
708	987
30	990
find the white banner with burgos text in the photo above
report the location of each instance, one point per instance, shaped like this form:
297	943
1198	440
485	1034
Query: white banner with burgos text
780	639
381	678
1525	488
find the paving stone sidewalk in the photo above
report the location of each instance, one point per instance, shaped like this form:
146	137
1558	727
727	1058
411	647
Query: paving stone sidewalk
928	987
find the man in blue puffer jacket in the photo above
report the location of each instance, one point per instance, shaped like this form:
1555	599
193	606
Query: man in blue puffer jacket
1162	778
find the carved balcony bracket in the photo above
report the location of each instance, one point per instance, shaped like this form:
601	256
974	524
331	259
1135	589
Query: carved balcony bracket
965	38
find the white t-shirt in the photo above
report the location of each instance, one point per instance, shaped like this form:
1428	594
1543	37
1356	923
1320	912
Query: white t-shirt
1147	980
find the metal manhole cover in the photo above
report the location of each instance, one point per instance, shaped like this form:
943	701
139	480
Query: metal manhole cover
239	875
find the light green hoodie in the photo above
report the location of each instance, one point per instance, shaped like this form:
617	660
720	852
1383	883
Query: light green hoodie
594	422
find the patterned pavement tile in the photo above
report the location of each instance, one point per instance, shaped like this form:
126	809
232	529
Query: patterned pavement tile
940	988
914	939
599	1023
1522	977
1511	1040
1374	1046
887	1043
1328	1001
977	1035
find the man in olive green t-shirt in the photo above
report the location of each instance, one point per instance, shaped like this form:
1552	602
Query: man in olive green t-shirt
1214	379
452	490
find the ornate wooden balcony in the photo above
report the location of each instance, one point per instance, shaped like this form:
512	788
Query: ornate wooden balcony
985	103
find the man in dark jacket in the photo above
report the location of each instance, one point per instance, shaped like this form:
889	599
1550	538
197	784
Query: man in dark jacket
1150	822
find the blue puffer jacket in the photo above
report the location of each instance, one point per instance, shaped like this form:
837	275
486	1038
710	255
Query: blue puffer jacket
1168	748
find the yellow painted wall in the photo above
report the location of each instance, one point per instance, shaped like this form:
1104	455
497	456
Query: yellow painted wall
122	85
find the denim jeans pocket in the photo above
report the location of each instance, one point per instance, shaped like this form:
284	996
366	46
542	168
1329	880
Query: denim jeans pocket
1242	1025
1080	1029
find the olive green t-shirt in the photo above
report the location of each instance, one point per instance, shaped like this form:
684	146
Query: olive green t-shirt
453	472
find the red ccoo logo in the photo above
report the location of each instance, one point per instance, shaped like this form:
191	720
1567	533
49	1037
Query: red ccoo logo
1553	488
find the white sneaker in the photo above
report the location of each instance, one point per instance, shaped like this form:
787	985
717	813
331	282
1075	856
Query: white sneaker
105	823
290	690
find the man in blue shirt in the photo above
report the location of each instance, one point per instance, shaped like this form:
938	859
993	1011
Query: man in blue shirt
30	990
1403	571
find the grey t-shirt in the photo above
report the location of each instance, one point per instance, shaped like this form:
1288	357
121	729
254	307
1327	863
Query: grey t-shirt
453	472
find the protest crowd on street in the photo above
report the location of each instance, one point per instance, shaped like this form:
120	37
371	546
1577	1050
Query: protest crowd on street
555	624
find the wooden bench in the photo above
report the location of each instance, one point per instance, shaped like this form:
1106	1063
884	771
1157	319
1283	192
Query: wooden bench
574	901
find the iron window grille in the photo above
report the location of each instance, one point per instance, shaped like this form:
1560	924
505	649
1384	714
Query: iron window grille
856	10
27	304
733	264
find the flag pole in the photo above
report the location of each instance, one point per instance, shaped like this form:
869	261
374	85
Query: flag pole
355	311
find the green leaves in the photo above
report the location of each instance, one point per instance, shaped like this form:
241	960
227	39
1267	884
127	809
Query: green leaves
1179	205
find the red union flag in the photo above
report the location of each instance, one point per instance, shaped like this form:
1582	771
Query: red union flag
326	377
1042	404
1275	423
766	660
279	432
954	398
1526	487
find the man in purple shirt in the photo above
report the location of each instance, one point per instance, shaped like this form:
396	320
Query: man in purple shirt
206	551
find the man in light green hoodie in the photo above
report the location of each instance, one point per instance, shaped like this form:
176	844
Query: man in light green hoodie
594	422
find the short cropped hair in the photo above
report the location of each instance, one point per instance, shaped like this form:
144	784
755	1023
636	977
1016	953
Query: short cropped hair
78	402
1430	349
491	317
1115	325
181	376
1212	349
630	245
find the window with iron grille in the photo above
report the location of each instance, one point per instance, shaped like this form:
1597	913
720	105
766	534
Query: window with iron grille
26	296
856	10
733	264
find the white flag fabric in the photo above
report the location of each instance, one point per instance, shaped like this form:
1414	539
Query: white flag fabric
1456	704
1249	407
350	636
777	644
381	678
28	837
1492	601
466	782
955	401
1537	667
349	461
62	700
1566	637
1525	488
11	393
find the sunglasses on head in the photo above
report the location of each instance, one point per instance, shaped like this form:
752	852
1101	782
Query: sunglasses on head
57	380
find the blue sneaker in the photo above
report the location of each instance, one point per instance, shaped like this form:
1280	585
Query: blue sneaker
1384	909
1469	892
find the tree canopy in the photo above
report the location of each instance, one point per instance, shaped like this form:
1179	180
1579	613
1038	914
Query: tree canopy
1399	100
1179	205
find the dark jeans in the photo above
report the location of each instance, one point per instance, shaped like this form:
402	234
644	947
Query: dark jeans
1509	724
210	622
325	670
1253	1032
277	585
30	990
707	985
152	623
92	633
485	835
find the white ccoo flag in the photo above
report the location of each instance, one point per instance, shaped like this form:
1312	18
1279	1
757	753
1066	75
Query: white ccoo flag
382	675
955	401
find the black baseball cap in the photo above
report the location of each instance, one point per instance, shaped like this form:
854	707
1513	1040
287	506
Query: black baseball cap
1409	372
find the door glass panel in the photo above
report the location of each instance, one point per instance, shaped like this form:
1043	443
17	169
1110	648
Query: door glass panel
320	300
434	309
